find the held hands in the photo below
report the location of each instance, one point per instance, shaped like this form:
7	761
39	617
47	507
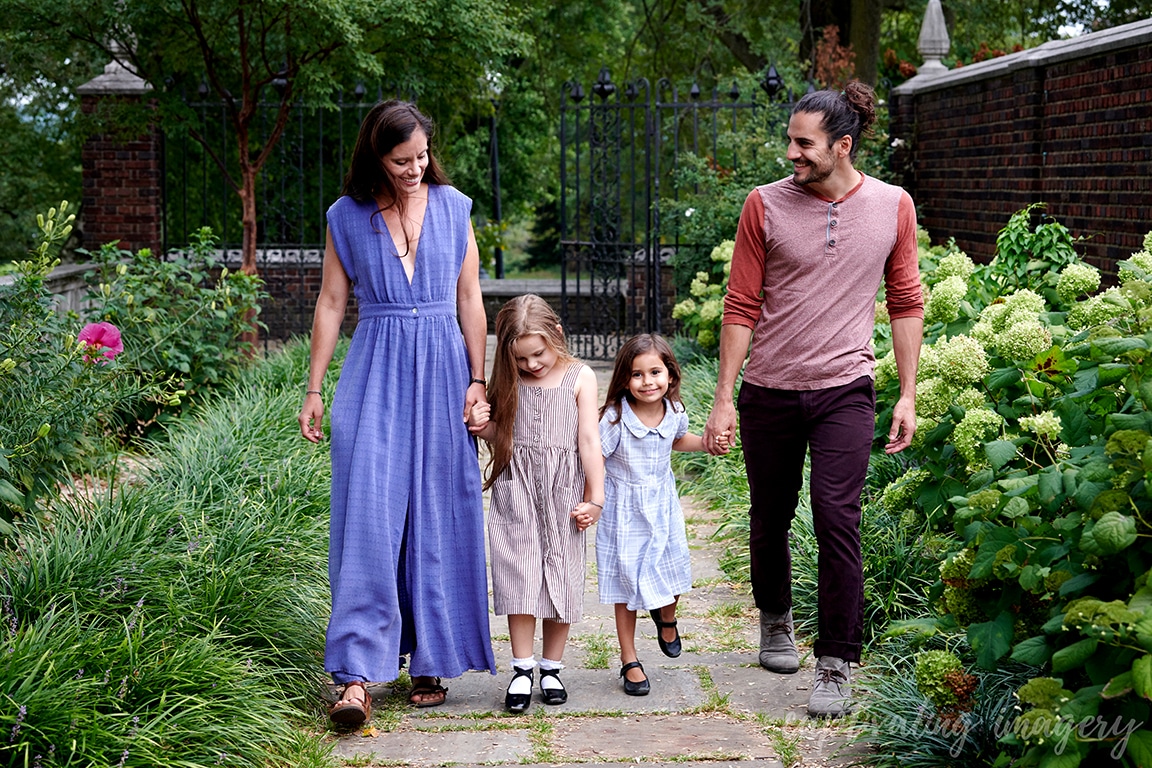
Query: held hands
476	409
478	416
585	514
720	430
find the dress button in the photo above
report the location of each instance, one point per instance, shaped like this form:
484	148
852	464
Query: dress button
414	310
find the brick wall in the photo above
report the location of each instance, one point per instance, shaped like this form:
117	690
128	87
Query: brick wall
1068	124
122	185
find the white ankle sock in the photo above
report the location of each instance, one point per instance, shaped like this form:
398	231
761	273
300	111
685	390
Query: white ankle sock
548	681
522	685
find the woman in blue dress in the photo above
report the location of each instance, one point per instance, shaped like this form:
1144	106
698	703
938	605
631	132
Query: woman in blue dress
406	549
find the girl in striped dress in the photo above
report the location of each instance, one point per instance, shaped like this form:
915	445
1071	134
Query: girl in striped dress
641	545
547	479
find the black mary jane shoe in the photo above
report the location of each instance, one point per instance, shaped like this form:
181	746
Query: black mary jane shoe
671	648
518	702
552	695
635	689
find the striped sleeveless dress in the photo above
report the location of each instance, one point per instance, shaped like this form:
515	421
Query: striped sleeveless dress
538	556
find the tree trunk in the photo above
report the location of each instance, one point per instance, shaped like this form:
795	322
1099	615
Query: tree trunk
248	220
864	37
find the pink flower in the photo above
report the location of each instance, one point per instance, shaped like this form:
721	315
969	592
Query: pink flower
103	339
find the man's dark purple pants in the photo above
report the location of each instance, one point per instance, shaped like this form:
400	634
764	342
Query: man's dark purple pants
836	425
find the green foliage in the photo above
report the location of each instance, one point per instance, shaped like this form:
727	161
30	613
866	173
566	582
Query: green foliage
1034	449
57	401
188	316
702	314
179	621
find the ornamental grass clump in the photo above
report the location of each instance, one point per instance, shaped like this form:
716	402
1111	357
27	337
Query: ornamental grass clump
1040	472
178	619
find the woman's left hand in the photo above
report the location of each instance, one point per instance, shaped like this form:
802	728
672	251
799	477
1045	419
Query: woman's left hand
476	393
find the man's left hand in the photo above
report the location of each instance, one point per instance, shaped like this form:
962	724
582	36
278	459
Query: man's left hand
903	425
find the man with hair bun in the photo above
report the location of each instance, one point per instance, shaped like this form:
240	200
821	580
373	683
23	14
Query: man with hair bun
811	252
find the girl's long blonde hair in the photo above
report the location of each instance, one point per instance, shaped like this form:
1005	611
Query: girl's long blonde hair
522	316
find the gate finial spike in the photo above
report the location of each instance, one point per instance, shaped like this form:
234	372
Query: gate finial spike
603	86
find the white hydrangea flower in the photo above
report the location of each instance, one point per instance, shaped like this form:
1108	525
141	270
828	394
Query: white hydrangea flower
885	370
699	286
684	309
933	396
723	252
943	304
955	265
977	426
1097	310
970	398
1023	340
711	310
1077	280
1045	425
962	360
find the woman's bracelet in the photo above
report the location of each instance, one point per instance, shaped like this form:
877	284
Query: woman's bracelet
312	392
477	381
600	506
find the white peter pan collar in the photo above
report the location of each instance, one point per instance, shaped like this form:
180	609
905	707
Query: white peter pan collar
666	428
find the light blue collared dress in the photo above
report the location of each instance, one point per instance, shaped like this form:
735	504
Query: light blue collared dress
641	545
406	548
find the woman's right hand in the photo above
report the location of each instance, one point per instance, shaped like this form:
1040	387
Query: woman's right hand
312	417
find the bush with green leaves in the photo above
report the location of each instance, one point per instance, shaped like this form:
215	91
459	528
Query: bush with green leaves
190	317
179	620
58	397
1034	449
702	313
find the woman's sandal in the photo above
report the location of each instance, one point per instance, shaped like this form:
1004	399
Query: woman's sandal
635	689
427	686
352	712
671	648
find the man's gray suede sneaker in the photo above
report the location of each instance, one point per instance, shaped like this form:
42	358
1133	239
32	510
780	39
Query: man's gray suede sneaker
778	643
832	688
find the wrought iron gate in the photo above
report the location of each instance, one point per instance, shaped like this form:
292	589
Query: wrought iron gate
620	151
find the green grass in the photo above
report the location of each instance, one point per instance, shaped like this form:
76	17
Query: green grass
600	650
178	621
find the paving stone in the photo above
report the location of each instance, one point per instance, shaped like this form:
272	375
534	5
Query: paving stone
750	688
443	748
654	736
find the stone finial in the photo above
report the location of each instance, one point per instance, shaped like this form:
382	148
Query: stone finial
933	43
118	78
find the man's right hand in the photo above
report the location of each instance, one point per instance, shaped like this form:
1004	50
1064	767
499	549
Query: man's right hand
722	419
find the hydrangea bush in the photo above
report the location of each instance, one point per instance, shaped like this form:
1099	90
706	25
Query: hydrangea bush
703	312
1034	448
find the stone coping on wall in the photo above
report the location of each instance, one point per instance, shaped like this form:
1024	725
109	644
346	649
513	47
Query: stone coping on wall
1115	38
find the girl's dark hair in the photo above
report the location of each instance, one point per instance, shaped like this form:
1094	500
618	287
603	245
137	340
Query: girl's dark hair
388	124
622	371
850	112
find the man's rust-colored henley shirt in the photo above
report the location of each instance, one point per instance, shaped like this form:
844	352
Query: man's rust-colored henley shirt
805	275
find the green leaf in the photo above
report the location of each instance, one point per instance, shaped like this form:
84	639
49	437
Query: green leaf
1000	452
991	639
1118	686
1114	532
1002	377
10	495
1074	655
1016	507
1142	676
1067	758
1140	748
1110	373
1142	600
1050	487
1033	651
1074	423
1118	345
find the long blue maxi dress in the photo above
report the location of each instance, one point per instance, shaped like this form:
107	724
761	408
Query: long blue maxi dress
406	548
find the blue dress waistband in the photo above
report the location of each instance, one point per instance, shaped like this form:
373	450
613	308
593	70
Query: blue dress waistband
431	308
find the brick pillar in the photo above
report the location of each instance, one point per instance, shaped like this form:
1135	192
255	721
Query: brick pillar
122	175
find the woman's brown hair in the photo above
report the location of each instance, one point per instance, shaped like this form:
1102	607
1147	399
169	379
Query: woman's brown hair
522	316
622	371
387	125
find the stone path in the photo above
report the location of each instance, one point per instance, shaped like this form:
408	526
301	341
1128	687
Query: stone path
711	706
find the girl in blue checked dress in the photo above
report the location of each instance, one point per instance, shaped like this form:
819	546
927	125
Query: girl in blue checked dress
547	481
641	546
